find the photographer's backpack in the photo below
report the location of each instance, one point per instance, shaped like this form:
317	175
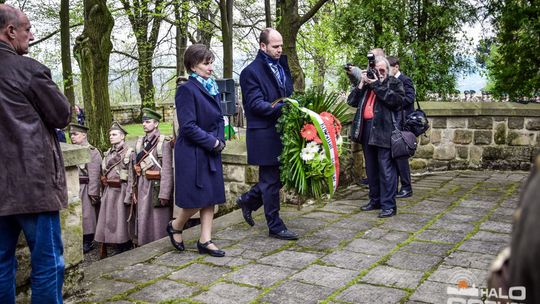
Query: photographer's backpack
416	122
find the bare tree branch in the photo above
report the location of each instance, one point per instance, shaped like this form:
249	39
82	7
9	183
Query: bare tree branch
52	34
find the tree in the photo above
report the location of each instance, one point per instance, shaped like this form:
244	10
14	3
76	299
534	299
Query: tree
226	10
65	42
515	53
422	33
145	24
181	10
289	23
92	51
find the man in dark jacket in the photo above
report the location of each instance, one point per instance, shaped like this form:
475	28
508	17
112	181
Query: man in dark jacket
32	175
402	163
378	99
264	80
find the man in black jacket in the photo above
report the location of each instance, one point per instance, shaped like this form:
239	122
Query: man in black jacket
377	100
402	164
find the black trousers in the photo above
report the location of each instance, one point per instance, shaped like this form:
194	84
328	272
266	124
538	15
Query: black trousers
266	193
381	171
404	173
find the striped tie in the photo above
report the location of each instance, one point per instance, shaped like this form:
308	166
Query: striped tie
275	70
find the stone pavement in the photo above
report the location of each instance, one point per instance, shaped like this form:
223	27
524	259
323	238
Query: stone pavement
453	227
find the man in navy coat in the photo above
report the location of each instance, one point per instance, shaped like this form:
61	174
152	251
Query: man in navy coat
402	164
264	80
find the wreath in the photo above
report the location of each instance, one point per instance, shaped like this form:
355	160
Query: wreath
310	130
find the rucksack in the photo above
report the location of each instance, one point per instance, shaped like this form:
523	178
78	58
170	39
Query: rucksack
416	122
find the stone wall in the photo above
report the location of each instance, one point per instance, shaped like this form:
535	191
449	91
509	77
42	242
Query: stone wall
478	135
71	222
125	114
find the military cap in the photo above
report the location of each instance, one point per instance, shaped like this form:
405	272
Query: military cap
73	127
116	126
150	114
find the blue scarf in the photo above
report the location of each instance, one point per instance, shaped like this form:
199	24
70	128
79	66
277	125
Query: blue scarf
209	84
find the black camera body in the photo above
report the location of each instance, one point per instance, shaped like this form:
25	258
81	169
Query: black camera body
371	72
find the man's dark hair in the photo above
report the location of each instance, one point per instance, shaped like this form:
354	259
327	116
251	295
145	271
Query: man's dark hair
263	38
393	60
8	14
195	54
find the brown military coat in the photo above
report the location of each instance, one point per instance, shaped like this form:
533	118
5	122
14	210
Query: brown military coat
91	171
152	221
112	225
32	176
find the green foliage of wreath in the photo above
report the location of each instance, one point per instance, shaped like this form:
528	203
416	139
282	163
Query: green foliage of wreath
306	181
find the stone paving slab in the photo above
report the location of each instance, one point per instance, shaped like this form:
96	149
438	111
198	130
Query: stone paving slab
369	294
455	222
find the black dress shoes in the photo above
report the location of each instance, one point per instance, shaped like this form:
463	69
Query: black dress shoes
404	193
171	232
245	212
203	248
88	246
284	235
387	213
370	206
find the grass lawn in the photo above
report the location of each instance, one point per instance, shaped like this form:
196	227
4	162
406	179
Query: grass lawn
136	130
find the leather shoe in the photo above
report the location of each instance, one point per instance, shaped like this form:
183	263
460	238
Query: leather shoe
387	213
370	206
171	231
245	212
404	193
203	248
284	235
88	246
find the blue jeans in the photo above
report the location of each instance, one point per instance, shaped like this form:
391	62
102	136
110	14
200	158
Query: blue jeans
43	235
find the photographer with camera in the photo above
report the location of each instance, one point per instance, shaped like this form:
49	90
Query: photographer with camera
402	164
377	98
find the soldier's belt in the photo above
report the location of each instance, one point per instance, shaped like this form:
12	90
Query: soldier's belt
152	174
114	183
83	180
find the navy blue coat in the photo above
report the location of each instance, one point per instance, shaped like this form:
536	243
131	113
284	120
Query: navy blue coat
198	171
259	89
410	94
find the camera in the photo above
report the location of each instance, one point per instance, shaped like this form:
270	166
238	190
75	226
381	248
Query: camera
371	72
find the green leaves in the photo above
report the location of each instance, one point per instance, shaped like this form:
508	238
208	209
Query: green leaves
309	180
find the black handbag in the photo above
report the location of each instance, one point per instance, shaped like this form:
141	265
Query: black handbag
416	122
403	142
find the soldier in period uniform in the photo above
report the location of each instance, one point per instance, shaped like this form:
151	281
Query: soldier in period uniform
153	166
90	185
114	224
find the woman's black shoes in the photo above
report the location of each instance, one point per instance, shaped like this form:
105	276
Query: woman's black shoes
203	248
171	232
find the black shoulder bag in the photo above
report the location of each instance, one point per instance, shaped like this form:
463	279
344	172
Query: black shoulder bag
403	142
416	122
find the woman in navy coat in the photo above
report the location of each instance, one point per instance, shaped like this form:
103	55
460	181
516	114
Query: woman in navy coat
198	170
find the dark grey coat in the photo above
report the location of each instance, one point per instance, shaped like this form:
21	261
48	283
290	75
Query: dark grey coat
32	176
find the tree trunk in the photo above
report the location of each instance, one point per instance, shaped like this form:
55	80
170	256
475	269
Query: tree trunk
289	25
181	10
92	50
205	29
267	13
146	36
226	10
65	44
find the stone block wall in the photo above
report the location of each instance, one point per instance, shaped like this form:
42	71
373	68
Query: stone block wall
472	136
71	223
125	114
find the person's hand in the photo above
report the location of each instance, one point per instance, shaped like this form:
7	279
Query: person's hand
219	147
94	199
134	198
164	202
